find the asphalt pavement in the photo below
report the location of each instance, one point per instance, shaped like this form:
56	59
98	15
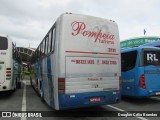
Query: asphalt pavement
27	100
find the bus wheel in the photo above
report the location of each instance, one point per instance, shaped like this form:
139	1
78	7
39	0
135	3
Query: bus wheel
41	95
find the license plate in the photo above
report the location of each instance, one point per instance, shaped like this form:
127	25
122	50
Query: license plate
96	99
157	93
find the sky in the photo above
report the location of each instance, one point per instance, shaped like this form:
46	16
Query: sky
28	21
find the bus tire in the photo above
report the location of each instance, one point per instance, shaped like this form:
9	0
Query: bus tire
41	92
41	95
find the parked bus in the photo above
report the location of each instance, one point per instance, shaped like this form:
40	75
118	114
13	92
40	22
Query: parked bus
10	65
77	64
140	71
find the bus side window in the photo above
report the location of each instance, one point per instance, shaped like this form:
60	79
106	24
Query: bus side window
128	60
50	41
46	48
53	39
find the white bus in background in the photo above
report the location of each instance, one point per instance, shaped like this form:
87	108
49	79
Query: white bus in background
10	65
77	64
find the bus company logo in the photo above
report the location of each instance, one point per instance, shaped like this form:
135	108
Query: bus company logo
152	57
99	37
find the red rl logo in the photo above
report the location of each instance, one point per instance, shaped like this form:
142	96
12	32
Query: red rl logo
151	57
80	28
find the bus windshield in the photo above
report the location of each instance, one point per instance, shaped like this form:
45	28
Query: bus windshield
151	57
3	43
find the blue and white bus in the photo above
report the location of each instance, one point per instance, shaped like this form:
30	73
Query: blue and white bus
140	71
10	65
77	64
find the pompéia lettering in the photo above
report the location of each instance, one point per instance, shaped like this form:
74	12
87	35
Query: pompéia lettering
79	28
